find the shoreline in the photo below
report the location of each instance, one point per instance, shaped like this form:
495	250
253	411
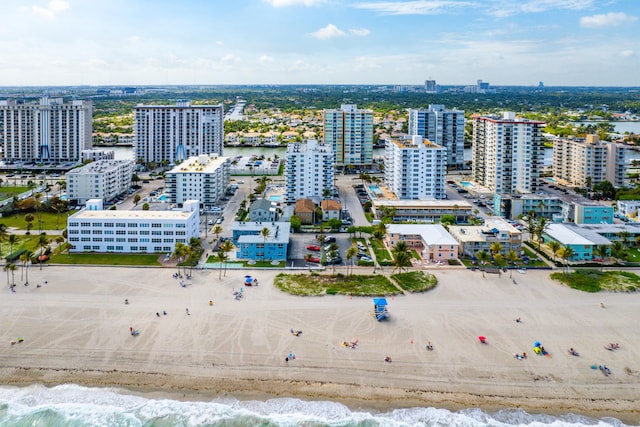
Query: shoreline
76	330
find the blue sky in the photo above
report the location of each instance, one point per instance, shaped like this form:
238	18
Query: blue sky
138	42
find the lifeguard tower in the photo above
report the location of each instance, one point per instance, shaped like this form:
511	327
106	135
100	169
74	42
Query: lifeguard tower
380	308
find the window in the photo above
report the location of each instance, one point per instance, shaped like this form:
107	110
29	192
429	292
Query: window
132	225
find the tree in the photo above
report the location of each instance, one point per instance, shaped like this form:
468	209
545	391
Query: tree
401	246
10	268
511	258
448	219
401	261
136	199
145	206
554	246
601	251
379	230
180	251
227	246
351	252
13	239
4	232
29	219
499	261
334	223
217	230
296	224
495	248
43	241
566	253
605	190
483	257
618	251
541	226
25	259
625	236
326	193
222	259
36	199
265	233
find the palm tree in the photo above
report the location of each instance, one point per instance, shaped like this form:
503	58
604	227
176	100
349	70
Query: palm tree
401	246
227	246
495	248
29	219
4	232
351	252
531	227
180	251
566	253
541	226
554	246
511	257
401	261
7	268
43	241
624	236
13	239
618	251
601	251
36	199
217	230
25	259
265	232
379	230
499	260
222	258
483	257
12	268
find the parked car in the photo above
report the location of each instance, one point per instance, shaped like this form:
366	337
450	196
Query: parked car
362	255
366	259
329	239
313	247
313	259
337	260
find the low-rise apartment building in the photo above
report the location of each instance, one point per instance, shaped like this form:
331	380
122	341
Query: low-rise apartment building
432	241
252	244
97	230
473	239
103	179
426	211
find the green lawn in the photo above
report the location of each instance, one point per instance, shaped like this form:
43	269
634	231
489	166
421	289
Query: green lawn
633	255
595	281
415	281
29	243
325	284
382	254
7	192
49	221
106	259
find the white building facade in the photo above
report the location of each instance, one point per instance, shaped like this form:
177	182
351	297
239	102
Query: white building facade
176	132
576	160
507	153
443	127
349	132
308	170
92	230
46	131
103	179
95	155
415	169
204	178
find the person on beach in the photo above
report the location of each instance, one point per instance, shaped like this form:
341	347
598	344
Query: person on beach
188	314
387	359
157	314
518	320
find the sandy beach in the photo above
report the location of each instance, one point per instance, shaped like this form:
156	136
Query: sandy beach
76	330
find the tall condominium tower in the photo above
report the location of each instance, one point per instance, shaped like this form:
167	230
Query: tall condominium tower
349	131
308	170
577	161
48	131
415	169
177	132
507	153
443	127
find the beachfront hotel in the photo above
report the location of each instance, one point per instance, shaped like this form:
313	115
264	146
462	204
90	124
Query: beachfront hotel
431	241
577	160
103	180
308	170
442	127
204	178
415	169
475	238
176	132
251	244
507	153
349	131
94	229
46	131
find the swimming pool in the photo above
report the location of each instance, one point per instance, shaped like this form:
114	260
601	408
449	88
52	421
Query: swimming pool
551	180
163	198
466	184
275	198
375	190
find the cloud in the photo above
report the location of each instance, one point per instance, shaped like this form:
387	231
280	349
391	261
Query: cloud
360	32
53	8
284	3
611	19
503	8
416	7
230	59
219	42
328	32
265	59
626	53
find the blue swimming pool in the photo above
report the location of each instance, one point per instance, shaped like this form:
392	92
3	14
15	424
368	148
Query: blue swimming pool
163	198
551	180
466	184
275	198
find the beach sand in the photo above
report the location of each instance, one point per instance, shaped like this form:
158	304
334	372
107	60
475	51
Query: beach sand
76	330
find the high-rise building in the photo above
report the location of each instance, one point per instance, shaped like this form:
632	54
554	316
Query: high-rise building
309	170
507	153
442	127
415	169
48	131
103	179
430	86
580	160
349	132
176	132
204	178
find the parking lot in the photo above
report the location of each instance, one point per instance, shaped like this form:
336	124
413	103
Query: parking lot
298	247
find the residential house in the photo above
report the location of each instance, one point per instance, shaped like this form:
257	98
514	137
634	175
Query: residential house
263	210
330	209
305	210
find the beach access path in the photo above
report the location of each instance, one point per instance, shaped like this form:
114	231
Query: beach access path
76	328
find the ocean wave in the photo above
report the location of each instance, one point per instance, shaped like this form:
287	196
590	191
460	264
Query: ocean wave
73	405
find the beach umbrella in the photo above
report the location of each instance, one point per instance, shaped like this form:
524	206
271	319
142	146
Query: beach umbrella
482	338
247	277
537	344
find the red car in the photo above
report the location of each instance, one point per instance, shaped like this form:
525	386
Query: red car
313	247
313	259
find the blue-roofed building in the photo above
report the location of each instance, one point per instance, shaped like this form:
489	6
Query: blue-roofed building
250	243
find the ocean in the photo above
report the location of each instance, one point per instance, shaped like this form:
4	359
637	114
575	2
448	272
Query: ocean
76	406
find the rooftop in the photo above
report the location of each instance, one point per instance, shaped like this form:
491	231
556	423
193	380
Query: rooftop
200	164
278	231
115	214
432	234
571	234
100	166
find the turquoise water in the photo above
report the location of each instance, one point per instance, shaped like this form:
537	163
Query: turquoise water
374	188
73	405
466	184
275	198
551	180
163	198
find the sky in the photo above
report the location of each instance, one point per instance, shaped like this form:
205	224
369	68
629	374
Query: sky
455	42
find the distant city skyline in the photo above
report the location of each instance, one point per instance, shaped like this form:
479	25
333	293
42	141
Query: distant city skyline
455	42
